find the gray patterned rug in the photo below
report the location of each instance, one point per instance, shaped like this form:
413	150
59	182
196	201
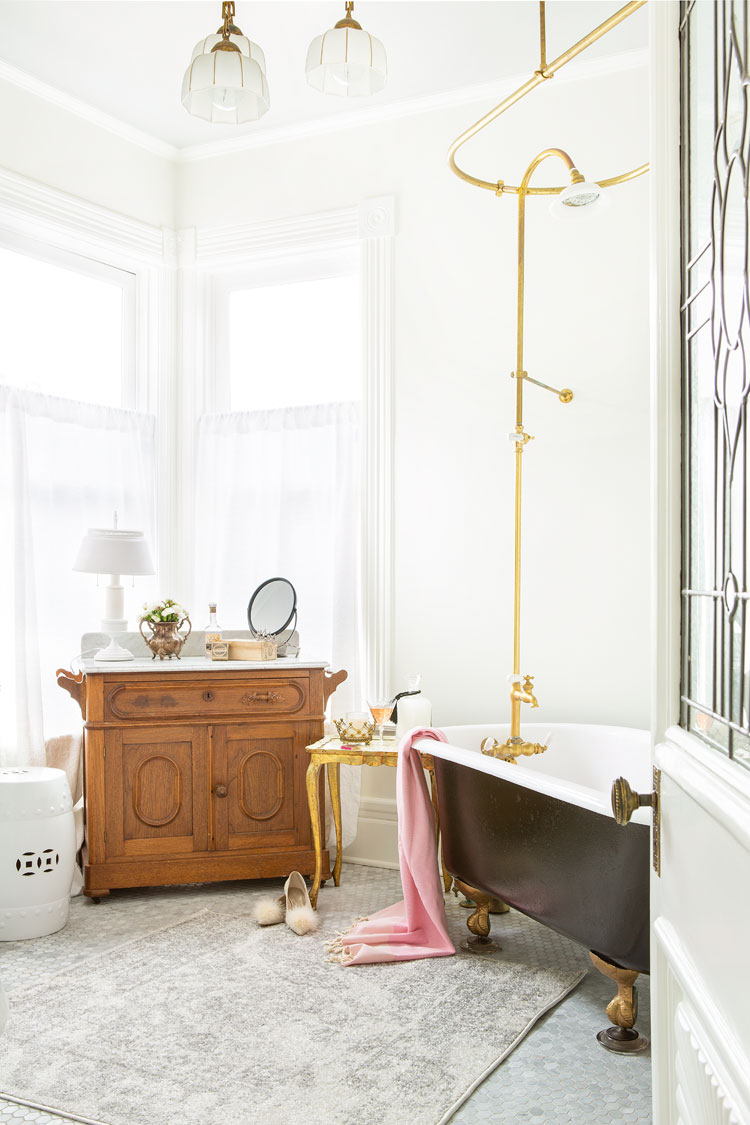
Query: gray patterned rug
213	1020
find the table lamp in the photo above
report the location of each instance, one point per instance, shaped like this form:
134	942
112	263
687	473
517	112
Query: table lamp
114	552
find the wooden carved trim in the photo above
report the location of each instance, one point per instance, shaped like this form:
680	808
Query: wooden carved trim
141	702
177	792
251	697
75	685
279	785
331	682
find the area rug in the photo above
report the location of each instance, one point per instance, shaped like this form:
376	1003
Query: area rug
213	1020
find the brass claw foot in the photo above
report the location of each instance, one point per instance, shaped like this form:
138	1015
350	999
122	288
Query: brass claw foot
622	1010
479	921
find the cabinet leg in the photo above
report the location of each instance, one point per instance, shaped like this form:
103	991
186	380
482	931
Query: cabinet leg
311	783
334	786
96	896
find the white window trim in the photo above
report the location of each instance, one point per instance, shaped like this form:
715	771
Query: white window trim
207	258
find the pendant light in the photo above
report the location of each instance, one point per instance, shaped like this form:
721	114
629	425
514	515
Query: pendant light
226	79
346	61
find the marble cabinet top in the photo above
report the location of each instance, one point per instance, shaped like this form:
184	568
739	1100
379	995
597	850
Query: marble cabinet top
191	659
195	664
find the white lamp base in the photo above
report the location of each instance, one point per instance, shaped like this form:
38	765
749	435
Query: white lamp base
113	651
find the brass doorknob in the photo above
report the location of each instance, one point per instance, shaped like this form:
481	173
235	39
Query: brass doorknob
625	801
220	790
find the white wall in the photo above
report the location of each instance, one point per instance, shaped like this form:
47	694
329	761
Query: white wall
586	548
46	143
585	609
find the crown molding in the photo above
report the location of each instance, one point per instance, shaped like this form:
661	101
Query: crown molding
229	245
32	209
86	112
576	71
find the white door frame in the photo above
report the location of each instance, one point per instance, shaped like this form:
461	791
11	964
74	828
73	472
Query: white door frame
701	1021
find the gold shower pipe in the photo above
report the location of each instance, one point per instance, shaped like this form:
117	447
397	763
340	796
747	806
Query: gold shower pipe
546	71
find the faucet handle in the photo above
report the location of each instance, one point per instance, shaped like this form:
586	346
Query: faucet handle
528	683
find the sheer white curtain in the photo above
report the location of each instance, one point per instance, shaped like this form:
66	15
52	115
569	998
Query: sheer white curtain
64	466
279	494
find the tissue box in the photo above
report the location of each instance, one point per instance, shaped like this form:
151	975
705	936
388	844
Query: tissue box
252	650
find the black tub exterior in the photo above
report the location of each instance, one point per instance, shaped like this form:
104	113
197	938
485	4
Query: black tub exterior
578	872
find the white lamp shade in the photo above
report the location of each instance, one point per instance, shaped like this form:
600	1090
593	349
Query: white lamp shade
226	86
348	62
112	551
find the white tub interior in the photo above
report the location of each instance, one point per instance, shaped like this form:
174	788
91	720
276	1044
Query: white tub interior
579	765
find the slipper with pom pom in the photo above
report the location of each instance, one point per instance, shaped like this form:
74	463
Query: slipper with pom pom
269	910
300	916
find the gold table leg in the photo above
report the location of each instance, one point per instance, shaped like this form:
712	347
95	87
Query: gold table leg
334	787
311	784
447	877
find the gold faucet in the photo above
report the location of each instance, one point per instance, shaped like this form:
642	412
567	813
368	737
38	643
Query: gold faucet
515	746
519	695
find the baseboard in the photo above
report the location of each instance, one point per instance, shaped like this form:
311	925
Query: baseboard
378	808
371	862
376	842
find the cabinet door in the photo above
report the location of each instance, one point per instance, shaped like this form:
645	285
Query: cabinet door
156	784
259	798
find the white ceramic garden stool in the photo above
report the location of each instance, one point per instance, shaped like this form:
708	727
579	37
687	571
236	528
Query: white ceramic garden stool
37	851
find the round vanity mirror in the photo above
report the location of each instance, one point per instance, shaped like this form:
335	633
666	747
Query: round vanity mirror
272	607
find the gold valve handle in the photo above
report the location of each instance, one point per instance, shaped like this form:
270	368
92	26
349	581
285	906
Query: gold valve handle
625	801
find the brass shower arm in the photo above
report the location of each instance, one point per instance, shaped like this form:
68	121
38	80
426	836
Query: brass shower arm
499	187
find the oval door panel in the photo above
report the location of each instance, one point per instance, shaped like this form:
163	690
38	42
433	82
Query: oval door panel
261	777
157	790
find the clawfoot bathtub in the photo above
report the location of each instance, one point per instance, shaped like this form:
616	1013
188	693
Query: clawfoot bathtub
541	836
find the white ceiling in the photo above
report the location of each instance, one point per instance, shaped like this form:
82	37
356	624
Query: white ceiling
127	57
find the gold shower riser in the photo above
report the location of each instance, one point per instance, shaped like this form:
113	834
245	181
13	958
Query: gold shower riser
544	73
515	745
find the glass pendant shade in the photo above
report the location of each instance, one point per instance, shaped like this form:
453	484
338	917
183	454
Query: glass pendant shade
346	61
226	79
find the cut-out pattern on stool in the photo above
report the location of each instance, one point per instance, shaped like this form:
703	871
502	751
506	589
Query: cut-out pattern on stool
38	863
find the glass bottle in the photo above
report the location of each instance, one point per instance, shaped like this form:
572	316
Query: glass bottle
212	631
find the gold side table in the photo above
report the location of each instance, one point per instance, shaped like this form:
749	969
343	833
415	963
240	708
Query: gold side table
330	752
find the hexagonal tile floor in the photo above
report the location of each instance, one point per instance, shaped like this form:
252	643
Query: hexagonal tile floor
559	1073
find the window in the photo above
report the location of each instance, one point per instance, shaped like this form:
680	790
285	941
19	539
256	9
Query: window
294	345
68	460
715	691
66	326
280	465
290	335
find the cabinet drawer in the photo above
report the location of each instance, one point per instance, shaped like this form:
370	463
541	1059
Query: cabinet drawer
168	699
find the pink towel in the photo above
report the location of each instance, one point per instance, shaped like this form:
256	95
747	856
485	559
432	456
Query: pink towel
415	927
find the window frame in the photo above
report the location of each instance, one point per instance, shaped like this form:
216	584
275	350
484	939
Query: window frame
210	254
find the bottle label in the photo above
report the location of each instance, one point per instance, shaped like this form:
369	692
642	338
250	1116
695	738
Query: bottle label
210	638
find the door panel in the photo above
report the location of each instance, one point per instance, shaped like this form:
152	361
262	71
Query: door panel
700	904
261	767
155	791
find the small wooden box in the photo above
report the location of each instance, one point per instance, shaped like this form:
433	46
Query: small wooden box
252	650
219	650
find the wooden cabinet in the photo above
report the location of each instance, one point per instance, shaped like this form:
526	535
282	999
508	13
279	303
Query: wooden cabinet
197	776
